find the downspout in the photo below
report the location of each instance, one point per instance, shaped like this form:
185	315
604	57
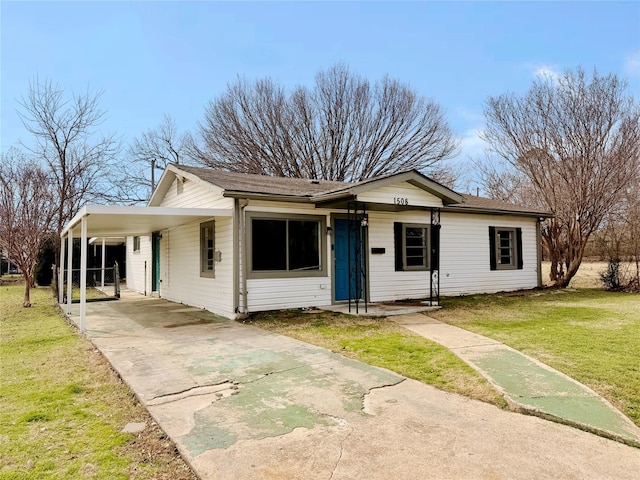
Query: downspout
243	239
236	256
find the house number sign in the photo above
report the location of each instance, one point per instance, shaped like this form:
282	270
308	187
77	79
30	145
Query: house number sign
400	201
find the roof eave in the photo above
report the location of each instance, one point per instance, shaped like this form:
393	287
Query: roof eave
267	196
495	211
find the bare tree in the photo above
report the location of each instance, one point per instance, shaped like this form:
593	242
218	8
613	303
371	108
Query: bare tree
502	182
152	151
342	129
631	216
618	241
577	142
65	139
27	209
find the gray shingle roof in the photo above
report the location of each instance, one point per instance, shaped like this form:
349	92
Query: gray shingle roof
263	184
301	187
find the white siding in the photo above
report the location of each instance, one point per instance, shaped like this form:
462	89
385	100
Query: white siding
279	293
384	282
195	196
180	268
414	196
464	262
136	280
180	279
464	255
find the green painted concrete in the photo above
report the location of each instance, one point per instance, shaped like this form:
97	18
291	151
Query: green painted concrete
534	387
528	383
278	392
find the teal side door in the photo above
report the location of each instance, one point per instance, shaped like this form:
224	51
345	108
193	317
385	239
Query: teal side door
155	262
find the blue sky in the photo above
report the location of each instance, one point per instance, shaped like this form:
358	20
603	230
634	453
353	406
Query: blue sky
152	58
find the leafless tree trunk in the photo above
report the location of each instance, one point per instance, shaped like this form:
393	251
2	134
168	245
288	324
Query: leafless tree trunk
342	129
27	208
577	142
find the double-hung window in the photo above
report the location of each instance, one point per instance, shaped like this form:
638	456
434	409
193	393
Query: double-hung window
207	249
286	246
412	246
505	248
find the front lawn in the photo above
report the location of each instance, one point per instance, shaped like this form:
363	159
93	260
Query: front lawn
590	335
62	409
385	344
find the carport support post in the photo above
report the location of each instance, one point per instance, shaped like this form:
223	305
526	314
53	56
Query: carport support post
83	275
61	272
69	269
102	269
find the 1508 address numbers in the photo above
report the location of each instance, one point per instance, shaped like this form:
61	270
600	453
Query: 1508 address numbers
400	201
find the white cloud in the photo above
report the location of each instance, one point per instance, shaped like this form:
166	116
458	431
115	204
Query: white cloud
544	70
632	64
471	145
468	115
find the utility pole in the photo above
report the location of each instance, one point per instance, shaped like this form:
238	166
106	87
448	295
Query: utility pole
153	174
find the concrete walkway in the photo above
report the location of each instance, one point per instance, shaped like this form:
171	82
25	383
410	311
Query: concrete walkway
529	385
241	402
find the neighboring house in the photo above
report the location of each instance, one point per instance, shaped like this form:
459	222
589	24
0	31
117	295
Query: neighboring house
251	243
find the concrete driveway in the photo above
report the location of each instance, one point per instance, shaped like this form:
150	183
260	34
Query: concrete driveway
241	402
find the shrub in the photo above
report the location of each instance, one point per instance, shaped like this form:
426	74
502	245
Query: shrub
611	276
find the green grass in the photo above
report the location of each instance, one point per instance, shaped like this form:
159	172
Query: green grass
590	335
62	409
384	344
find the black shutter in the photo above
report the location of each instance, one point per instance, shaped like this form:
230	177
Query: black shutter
519	247
397	235
492	248
435	248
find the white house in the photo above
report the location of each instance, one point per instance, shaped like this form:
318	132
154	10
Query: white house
235	243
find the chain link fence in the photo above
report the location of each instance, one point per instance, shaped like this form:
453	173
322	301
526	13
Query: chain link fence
102	283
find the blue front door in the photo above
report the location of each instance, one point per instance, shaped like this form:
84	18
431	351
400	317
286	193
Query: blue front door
347	260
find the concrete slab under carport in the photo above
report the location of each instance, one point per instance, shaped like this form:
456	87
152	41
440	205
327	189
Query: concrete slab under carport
241	402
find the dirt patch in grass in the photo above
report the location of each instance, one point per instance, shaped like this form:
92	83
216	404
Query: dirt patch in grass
63	409
383	343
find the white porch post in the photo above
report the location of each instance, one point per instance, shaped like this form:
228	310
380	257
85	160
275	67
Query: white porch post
103	259
83	275
61	272
69	269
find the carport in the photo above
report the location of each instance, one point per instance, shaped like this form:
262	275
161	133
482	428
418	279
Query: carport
101	221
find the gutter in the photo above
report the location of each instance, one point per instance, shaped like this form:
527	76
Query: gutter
266	196
236	256
495	211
